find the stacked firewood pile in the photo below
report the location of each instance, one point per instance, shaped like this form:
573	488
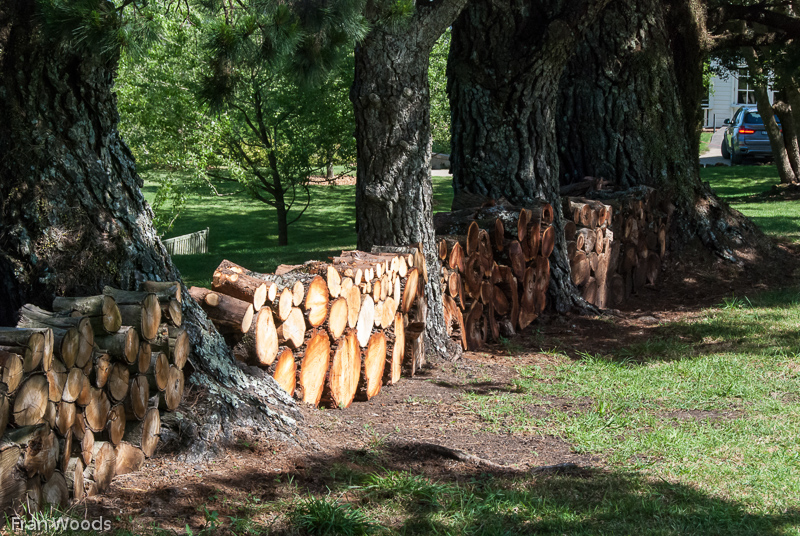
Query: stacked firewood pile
616	245
495	268
328	332
81	391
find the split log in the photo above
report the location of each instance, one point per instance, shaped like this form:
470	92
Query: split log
293	330
229	314
342	383
316	302
285	304
410	292
475	328
115	428
286	371
100	371
101	310
173	312
337	319
373	365
55	492
12	478
99	473
353	297
314	367
259	346
38	449
96	412
366	320
30	402
235	281
87	440
31	344
139	394
11	370
144	434
56	380
129	459
170	398
143	358
334	282
74	478
67	411
118	382
158	375
123	345
398	351
75	384
175	343
141	310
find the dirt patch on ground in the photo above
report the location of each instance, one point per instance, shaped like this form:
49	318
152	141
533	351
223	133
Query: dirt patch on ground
400	429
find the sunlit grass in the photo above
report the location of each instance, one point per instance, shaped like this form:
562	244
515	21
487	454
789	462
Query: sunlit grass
244	230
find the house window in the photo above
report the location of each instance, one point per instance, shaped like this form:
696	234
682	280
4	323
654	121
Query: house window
745	94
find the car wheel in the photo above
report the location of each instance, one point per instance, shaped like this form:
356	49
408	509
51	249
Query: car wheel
736	157
726	154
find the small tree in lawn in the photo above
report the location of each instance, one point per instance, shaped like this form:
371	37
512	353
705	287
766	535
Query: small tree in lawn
272	70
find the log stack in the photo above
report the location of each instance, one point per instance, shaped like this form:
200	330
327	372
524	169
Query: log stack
616	244
82	386
330	333
495	269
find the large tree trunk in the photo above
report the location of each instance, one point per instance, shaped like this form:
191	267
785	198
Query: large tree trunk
506	60
391	100
73	218
631	102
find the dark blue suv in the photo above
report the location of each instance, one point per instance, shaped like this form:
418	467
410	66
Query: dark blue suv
746	135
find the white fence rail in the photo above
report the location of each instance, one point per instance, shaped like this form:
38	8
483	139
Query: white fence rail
188	244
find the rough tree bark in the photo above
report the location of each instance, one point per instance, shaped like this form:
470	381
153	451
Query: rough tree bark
506	59
391	101
73	219
631	102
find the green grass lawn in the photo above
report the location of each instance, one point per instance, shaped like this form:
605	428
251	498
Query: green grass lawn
705	138
244	231
742	187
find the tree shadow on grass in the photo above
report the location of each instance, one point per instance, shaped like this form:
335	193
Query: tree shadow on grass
407	488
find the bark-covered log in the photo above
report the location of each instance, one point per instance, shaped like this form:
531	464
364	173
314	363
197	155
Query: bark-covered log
11	370
259	346
101	310
38	448
231	279
33	344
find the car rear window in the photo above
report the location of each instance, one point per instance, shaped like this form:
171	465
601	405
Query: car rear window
753	118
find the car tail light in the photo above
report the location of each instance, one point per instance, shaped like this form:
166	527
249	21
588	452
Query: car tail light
746	131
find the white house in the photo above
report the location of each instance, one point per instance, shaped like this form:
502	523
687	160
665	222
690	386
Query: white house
726	95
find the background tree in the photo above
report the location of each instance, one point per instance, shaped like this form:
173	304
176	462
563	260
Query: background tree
763	35
260	120
506	61
391	100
